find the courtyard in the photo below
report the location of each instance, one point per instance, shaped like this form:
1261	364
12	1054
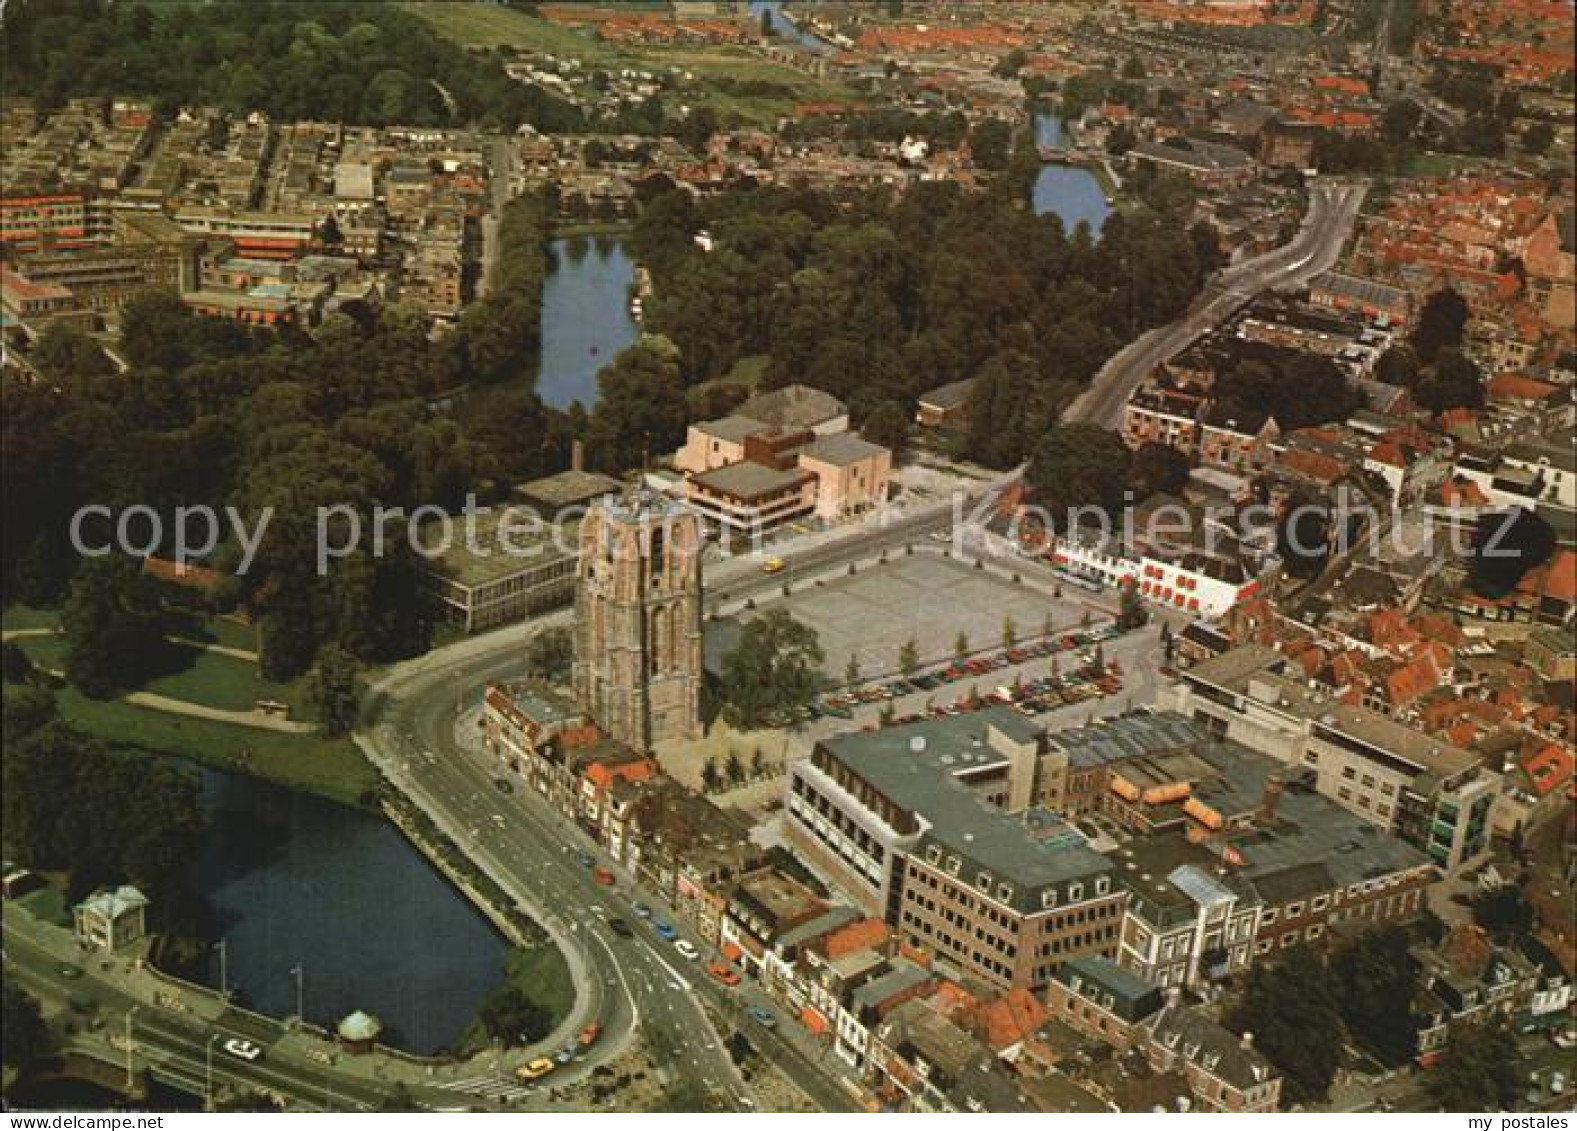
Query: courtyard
930	599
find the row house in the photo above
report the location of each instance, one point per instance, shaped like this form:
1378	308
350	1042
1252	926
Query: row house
1126	1011
1467	979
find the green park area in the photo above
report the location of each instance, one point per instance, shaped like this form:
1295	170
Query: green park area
188	673
535	994
732	80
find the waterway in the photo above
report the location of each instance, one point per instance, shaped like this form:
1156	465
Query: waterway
786	28
585	317
299	881
1071	191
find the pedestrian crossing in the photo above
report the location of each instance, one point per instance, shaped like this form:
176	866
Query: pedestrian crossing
490	1086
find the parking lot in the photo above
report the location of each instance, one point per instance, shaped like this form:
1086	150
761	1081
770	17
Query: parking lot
929	599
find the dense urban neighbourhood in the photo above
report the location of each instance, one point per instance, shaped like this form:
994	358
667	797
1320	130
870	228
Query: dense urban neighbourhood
789	733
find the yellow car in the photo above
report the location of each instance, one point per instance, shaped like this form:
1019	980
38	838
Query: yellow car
537	1069
772	565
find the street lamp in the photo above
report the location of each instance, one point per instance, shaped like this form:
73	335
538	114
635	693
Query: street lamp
130	1081
208	1077
301	1016
224	980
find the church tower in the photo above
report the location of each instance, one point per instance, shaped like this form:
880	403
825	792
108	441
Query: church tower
638	620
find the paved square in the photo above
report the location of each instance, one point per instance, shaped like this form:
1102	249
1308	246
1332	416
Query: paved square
924	597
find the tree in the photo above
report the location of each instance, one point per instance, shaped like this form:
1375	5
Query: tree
641	407
888	425
25	1036
1478	1071
1398	366
1440	324
1158	469
773	671
551	655
511	1016
15	667
851	672
991	143
1009	632
734	767
1078	465
960	645
1504	912
1506	545
334	689
112	624
1537	137
908	658
711	776
1453	381
1375	981
1287	1006
1131	613
758	762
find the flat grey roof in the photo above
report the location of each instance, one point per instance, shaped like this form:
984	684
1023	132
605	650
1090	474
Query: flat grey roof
732	428
749	480
925	781
569	487
841	449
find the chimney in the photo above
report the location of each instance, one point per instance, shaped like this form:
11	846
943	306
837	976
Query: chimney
1246	1040
577	455
1267	805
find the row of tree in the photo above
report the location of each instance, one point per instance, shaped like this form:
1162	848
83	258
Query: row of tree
276	425
883	297
364	63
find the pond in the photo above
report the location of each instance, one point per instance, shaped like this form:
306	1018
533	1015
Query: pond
299	881
1071	191
586	317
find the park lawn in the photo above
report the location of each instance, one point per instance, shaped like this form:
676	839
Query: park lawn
48	652
48	903
542	975
23	617
330	767
228	683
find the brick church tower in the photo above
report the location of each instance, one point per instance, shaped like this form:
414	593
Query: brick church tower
638	620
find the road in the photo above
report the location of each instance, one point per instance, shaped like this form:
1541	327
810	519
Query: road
186	1045
500	164
1333	207
413	729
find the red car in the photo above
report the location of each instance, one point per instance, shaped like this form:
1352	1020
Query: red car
724	973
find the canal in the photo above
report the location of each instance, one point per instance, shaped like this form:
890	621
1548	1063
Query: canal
585	317
299	881
1071	191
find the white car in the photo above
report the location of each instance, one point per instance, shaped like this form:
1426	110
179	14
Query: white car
687	948
241	1049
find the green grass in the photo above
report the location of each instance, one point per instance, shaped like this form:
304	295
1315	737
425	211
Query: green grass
489	26
543	975
48	903
226	682
1441	164
193	675
23	617
331	767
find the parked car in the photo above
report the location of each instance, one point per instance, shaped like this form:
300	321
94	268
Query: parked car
620	928
723	972
503	785
588	1035
642	911
585	859
67	970
242	1049
665	930
566	1054
764	1017
535	1070
687	948
602	875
